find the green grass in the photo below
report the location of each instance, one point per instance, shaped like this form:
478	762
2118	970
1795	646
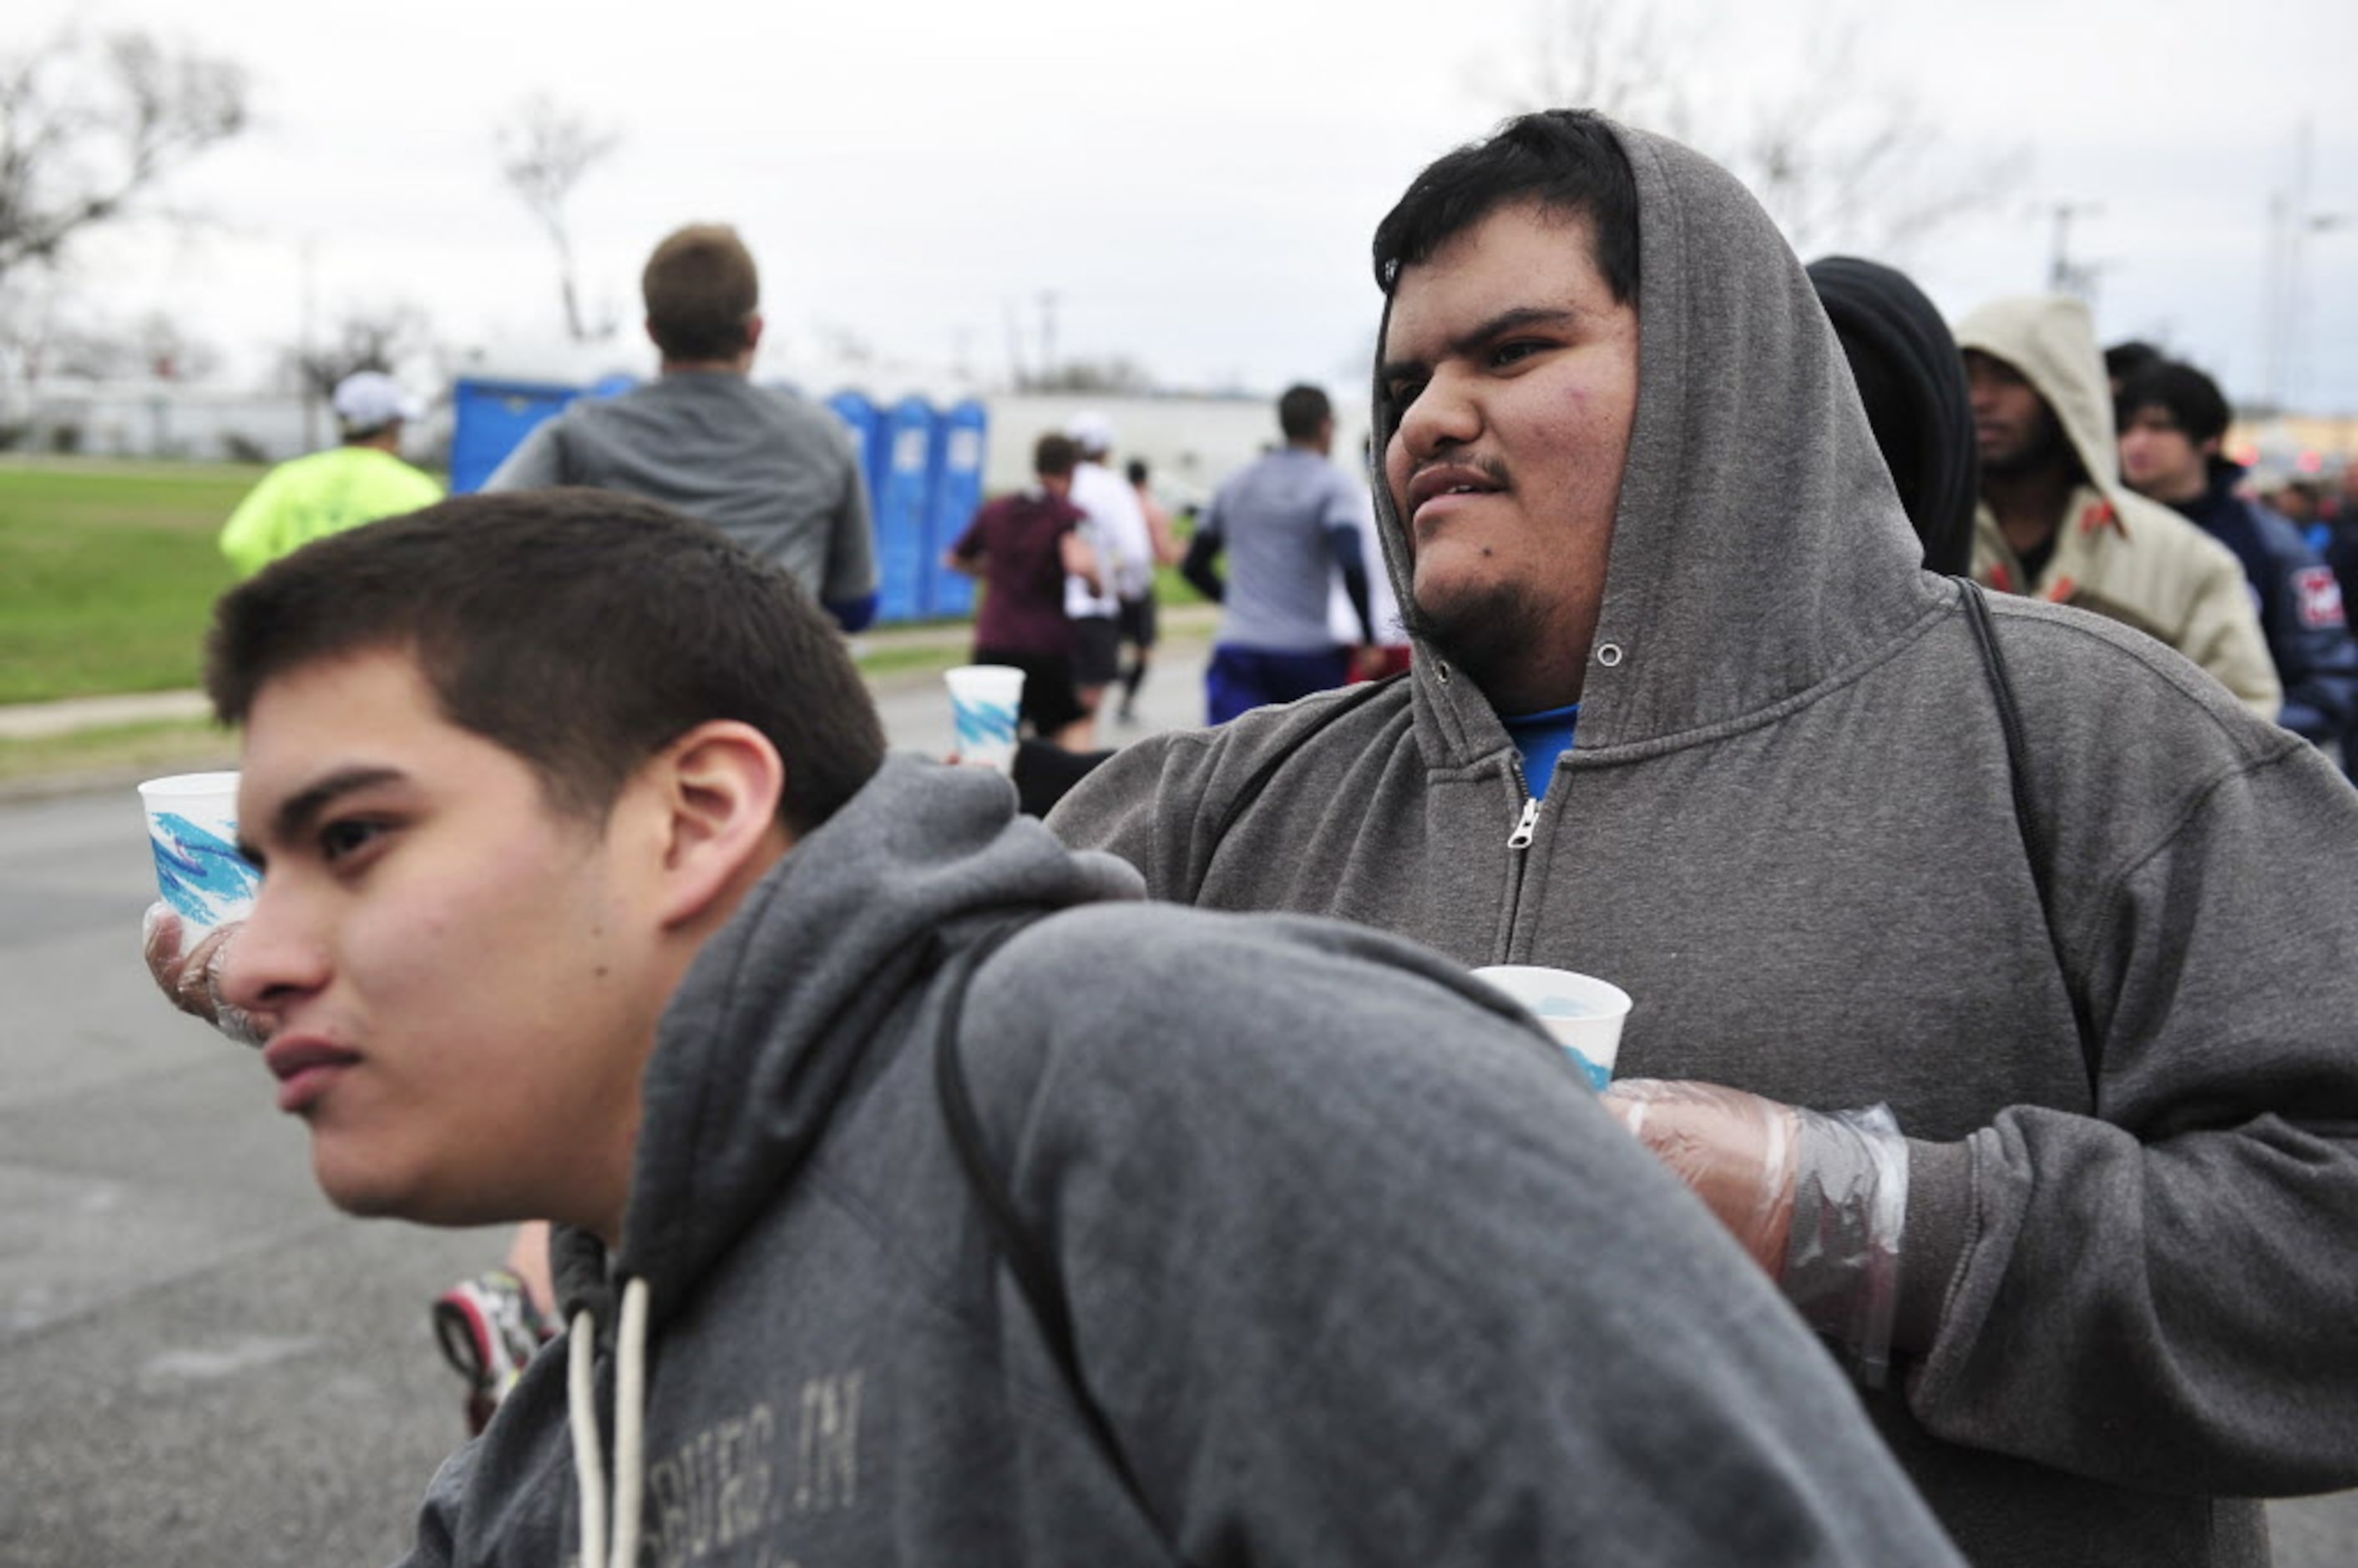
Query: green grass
108	572
1172	590
159	746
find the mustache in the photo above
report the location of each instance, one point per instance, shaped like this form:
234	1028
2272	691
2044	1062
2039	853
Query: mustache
1484	463
1487	465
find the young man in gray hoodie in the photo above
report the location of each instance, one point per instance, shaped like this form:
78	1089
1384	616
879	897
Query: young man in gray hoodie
2016	1035
589	893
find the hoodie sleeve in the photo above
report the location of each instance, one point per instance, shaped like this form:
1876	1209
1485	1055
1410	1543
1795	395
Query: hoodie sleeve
2159	1295
850	541
1131	804
2223	635
1348	1296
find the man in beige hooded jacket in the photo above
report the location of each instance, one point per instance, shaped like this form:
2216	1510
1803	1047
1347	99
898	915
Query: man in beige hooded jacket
2057	522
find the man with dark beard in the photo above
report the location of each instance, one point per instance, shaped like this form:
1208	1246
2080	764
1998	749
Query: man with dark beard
2058	523
1996	972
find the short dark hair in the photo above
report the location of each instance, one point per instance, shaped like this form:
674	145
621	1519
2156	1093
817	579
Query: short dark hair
2192	400
1136	470
581	630
1301	410
701	290
1054	455
2128	356
1566	159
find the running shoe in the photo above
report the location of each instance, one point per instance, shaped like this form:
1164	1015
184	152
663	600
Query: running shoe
489	1329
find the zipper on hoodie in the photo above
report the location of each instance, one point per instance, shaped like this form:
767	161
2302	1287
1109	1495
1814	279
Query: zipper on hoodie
1517	843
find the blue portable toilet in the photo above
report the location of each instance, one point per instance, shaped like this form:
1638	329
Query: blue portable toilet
960	432
490	418
902	566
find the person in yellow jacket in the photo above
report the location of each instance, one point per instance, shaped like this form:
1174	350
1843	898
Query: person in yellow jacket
327	493
2057	522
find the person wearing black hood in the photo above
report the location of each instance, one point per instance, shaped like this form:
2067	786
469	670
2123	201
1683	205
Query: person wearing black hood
2173	420
1912	380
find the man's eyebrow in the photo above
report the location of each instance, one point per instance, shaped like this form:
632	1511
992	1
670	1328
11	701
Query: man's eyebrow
1486	331
298	811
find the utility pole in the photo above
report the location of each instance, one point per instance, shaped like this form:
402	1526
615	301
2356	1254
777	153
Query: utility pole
1015	348
2286	301
2063	276
1047	334
307	341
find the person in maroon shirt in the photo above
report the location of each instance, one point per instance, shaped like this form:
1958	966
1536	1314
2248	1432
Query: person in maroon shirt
1023	546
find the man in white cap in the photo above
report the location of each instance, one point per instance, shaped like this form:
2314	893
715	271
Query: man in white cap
327	493
1118	534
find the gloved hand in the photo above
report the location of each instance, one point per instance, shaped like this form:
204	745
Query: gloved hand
1739	1151
192	980
1818	1199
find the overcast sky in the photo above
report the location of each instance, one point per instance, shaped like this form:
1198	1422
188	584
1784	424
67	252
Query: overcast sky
1194	183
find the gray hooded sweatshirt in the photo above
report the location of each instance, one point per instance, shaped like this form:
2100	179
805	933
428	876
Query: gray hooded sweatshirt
1311	1264
1788	830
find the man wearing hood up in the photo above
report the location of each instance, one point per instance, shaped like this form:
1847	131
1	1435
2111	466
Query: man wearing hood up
2001	962
2057	521
890	1230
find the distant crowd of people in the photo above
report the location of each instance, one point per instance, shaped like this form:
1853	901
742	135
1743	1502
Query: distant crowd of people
1152	1183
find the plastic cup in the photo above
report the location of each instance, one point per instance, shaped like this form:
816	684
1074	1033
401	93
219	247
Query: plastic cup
984	700
1582	1012
192	826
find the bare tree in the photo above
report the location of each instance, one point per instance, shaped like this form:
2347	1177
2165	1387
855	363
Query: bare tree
380	336
543	156
1114	376
152	346
1840	160
88	131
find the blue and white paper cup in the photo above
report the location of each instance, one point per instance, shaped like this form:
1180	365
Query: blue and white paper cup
1582	1012
192	826
984	700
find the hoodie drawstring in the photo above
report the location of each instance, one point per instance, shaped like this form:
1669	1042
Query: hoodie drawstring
629	1430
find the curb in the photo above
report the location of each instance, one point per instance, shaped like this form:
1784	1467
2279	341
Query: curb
36	720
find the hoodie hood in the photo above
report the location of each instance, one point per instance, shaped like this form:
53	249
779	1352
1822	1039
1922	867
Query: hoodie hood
772	1025
1912	380
1760	549
2052	340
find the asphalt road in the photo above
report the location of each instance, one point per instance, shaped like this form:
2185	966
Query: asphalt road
202	1365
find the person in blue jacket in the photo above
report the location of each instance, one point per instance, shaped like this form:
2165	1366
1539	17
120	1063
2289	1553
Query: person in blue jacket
2173	422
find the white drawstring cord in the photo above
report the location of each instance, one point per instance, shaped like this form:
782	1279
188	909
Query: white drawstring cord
588	1465
629	1422
629	1430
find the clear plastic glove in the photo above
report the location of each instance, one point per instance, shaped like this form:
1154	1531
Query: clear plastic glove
1818	1199
192	980
1738	1152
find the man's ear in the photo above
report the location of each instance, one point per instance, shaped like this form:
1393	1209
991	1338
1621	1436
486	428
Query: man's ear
716	790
